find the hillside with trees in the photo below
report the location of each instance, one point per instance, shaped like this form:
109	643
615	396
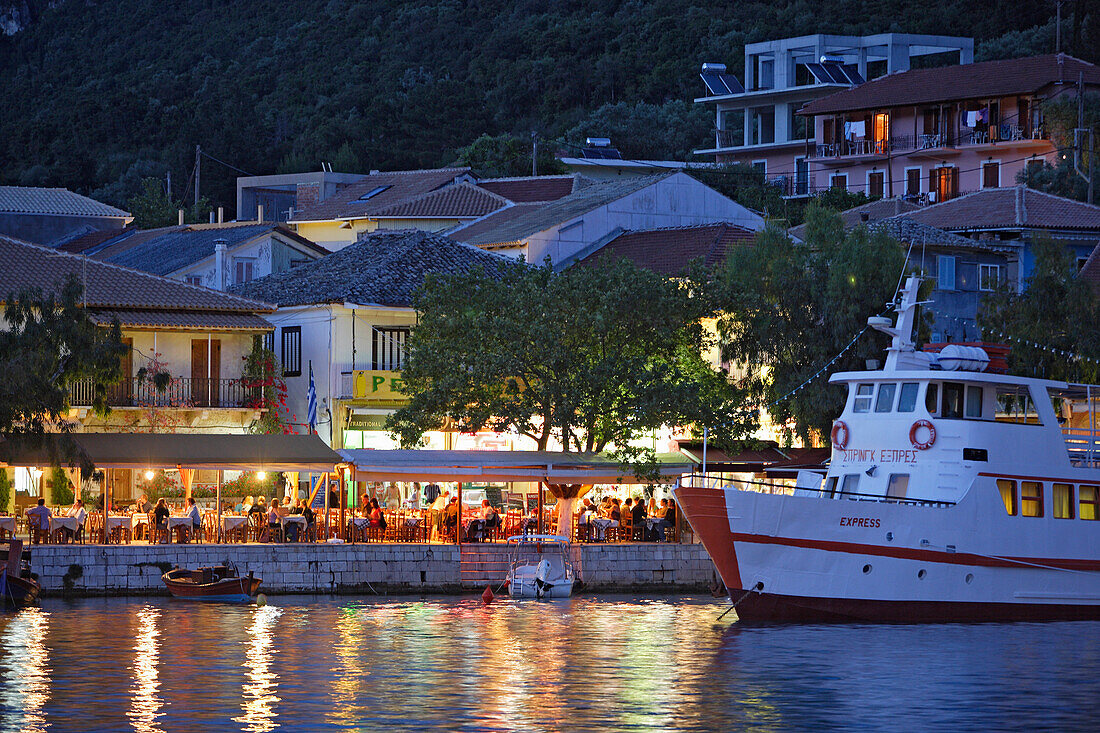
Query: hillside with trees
99	95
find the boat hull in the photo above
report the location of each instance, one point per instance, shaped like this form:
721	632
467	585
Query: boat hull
225	590
20	592
528	588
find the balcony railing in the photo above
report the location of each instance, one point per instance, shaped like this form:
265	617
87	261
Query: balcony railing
729	138
181	392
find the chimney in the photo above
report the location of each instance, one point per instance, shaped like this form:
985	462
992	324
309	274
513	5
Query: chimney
1021	208
211	217
219	264
181	217
260	213
307	194
221	214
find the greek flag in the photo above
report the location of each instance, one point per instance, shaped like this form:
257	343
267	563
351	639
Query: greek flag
311	403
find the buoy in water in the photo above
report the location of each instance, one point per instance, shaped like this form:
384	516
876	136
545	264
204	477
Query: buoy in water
487	596
261	600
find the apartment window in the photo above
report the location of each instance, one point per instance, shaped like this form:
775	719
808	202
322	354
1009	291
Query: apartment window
989	277
801	176
389	348
898	485
374	192
760	165
912	181
297	263
1088	500
1031	499
1062	497
244	271
839	180
974	402
943	183
863	398
194	280
882	132
797	127
875	187
991	175
907	402
1008	495
885	401
292	351
945	272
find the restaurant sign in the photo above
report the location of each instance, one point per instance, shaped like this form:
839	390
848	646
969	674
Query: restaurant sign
358	421
378	386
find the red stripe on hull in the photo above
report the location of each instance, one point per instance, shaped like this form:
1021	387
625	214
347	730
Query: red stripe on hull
769	607
706	510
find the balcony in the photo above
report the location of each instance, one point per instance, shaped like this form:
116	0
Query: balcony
181	392
1006	133
854	150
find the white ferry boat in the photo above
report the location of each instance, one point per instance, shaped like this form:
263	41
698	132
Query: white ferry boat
953	494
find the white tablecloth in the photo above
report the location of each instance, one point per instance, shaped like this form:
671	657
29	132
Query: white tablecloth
294	519
121	521
8	523
138	519
230	522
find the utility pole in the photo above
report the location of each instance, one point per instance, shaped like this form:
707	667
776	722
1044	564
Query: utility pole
198	162
168	183
534	153
1058	26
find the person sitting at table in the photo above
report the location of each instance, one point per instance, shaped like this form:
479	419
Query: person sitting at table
258	507
273	520
450	515
244	506
615	514
311	520
637	518
490	517
43	512
195	515
377	518
661	523
651	507
143	504
76	510
438	505
160	517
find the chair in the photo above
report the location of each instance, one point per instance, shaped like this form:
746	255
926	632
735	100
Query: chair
119	533
625	532
37	533
255	526
209	526
158	532
93	526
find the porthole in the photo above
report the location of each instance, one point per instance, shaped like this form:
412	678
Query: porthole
969	578
921	573
866	569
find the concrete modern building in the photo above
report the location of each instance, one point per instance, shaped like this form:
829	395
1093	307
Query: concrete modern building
277	195
756	121
48	215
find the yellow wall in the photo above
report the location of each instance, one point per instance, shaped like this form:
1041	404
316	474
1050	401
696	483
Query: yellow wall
329	233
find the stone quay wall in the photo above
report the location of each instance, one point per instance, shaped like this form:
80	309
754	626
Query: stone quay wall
95	570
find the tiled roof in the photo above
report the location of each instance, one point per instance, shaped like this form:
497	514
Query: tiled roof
1090	272
382	268
462	200
516	226
669	250
87	239
56	201
399	187
531	188
965	81
1017	207
108	286
907	231
874	211
178	248
182	320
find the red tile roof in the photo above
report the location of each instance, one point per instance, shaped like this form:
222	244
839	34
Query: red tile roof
399	187
1017	207
89	240
669	250
463	200
966	81
530	188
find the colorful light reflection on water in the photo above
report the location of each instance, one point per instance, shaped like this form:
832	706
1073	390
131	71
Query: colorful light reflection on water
588	663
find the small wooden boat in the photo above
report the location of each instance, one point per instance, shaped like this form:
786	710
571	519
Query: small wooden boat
219	583
18	586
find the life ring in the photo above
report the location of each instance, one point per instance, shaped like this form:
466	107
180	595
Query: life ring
922	444
840	434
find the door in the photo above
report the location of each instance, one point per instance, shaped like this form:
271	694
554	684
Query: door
205	372
122	394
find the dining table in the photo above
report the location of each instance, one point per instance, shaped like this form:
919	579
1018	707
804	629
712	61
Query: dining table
177	521
7	524
58	523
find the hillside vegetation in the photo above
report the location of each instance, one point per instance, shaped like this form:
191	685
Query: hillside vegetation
98	95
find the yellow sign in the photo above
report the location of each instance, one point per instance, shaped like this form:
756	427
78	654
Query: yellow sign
378	385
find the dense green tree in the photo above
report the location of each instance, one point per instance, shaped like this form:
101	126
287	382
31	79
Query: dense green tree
153	207
639	130
1057	310
790	308
50	343
593	357
506	155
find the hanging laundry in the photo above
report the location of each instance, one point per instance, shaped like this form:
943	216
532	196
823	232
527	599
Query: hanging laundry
847	129
972	118
983	115
859	129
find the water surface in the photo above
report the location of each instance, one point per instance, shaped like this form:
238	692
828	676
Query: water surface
587	663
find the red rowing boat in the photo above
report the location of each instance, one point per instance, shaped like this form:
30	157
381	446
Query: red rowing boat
218	583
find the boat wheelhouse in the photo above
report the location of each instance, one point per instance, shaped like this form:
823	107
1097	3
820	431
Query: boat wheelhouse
953	493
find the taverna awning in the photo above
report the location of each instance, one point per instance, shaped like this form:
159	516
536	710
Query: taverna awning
167	450
499	466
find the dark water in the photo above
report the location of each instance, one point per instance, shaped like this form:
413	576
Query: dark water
589	663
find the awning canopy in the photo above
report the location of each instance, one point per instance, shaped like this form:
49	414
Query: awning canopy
168	450
499	466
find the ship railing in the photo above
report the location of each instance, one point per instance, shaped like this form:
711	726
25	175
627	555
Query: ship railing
1083	446
708	481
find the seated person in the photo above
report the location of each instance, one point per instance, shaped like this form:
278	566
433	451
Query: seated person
450	514
637	518
195	515
614	513
490	517
273	520
160	517
143	505
43	513
244	506
258	507
662	522
77	510
311	519
377	518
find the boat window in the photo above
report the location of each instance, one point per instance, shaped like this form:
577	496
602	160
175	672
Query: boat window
851	484
1088	501
931	399
885	401
1031	499
830	487
952	405
1062	497
863	398
974	402
907	402
1014	405
1008	494
898	486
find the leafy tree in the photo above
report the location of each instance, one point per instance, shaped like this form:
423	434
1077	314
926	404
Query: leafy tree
51	343
645	131
346	160
789	309
506	155
61	491
5	490
591	358
1057	309
153	207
